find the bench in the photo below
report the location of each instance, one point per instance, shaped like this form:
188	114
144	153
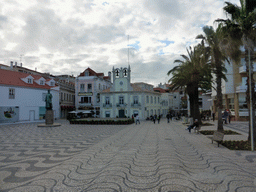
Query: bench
217	136
197	129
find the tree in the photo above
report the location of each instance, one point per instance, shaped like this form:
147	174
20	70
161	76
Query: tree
218	58
192	73
241	26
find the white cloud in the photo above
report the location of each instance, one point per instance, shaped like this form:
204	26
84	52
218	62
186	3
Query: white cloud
67	36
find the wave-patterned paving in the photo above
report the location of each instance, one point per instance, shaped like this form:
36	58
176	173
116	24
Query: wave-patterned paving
147	157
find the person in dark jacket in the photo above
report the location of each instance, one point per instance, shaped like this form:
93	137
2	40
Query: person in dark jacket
195	124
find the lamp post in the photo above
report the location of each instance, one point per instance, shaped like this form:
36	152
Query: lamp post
251	108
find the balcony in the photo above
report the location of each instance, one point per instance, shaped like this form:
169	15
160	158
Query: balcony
85	94
84	104
135	104
105	105
121	104
242	88
242	69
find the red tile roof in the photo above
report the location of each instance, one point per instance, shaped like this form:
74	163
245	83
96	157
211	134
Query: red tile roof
14	78
91	73
161	90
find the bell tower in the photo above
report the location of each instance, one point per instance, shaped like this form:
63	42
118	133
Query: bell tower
122	79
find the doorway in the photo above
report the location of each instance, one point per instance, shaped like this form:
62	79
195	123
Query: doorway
31	115
121	113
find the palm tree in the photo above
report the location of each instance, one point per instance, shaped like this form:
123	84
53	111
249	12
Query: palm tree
213	40
242	26
192	73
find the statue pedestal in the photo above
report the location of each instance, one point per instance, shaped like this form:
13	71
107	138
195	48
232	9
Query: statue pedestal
49	117
49	120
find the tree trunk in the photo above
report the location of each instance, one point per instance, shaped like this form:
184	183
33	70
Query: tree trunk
191	99
196	104
248	93
219	97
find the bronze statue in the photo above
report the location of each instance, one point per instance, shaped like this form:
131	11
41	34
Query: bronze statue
48	100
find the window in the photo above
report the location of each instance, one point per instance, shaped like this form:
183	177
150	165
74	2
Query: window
89	87
151	99
107	113
81	87
135	99
61	96
99	86
86	100
86	73
107	100
147	99
11	93
104	87
43	96
155	100
158	100
98	97
41	82
30	81
121	100
52	83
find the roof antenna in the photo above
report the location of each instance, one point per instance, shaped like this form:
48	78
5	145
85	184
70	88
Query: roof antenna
128	50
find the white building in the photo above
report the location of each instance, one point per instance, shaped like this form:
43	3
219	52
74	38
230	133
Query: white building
22	96
126	99
88	86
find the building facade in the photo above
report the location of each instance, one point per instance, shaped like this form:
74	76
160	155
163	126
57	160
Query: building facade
125	99
67	94
88	86
234	91
23	96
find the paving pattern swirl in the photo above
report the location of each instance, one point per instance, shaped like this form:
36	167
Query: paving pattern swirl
146	157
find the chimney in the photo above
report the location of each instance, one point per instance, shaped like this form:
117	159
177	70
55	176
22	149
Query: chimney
11	64
15	64
109	75
21	64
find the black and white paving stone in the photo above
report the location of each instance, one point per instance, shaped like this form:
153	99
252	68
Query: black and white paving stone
144	157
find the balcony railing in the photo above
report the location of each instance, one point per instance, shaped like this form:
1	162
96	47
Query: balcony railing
242	88
242	69
135	104
121	105
84	104
107	105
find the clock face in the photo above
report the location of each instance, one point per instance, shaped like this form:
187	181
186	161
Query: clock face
121	83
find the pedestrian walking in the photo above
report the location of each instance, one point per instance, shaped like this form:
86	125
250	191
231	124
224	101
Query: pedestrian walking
158	118
213	116
154	119
225	115
168	118
137	119
229	116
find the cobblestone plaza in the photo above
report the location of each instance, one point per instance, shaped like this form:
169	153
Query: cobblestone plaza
143	157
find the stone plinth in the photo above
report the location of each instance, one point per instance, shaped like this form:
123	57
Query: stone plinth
49	117
49	120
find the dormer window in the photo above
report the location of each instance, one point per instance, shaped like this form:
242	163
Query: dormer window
41	82
86	73
30	81
52	83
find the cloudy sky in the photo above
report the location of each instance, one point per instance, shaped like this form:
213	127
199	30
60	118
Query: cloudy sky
67	36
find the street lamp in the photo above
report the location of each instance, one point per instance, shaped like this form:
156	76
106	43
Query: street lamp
251	109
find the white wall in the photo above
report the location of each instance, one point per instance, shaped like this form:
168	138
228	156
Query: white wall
28	99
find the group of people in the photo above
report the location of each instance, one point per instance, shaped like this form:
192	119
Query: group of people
155	117
226	116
